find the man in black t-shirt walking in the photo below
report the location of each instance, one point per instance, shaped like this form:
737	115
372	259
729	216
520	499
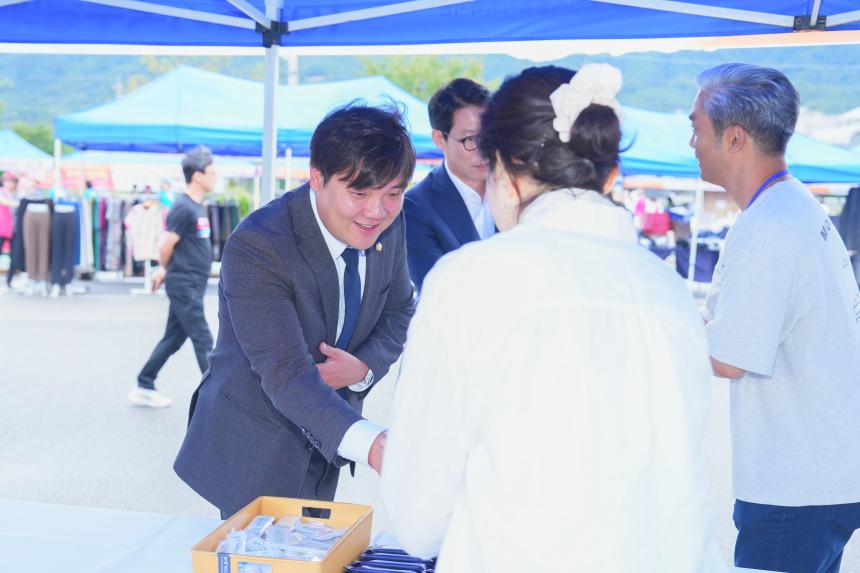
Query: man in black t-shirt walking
185	254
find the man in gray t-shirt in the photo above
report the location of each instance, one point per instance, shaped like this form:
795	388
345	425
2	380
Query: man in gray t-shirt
783	323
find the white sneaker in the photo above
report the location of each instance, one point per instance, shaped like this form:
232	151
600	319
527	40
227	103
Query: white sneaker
55	291
143	397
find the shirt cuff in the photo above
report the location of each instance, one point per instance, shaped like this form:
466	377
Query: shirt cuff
357	441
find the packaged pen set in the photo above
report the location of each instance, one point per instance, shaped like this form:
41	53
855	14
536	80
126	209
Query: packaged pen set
286	538
390	560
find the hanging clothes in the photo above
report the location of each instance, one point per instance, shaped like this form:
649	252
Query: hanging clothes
144	224
114	242
213	211
7	221
19	259
109	243
223	217
36	231
65	242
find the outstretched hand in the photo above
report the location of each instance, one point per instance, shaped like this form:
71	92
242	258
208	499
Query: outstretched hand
340	368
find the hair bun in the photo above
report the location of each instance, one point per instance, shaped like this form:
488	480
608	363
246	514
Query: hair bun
592	84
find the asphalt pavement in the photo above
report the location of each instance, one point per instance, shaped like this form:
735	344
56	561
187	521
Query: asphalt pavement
69	436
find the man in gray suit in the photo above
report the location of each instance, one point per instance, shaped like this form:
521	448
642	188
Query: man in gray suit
314	303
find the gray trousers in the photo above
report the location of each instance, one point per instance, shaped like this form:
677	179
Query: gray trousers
37	244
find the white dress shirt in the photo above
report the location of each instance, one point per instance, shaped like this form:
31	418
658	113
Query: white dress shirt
359	437
477	206
550	409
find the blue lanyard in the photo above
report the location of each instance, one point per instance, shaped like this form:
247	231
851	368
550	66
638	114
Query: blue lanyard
764	185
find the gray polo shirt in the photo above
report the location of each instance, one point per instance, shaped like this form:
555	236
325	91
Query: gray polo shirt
784	306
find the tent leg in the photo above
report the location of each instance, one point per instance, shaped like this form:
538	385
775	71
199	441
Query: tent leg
694	230
270	130
256	194
288	177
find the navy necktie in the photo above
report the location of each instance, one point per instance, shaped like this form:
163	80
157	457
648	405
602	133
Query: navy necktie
351	297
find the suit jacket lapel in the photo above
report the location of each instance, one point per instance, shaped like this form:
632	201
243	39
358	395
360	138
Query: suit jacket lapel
315	252
451	206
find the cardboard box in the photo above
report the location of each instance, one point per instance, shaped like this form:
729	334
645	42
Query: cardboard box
356	519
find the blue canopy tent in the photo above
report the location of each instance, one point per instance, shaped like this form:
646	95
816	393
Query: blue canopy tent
15	147
347	23
187	107
374	22
659	146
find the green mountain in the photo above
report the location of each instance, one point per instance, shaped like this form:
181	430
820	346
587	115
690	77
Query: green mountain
36	88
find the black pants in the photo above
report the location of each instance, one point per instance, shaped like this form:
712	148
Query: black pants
64	243
185	319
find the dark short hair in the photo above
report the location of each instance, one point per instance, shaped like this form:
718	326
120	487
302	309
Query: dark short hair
198	159
457	94
516	129
368	147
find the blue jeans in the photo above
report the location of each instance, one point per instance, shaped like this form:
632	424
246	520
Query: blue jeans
807	539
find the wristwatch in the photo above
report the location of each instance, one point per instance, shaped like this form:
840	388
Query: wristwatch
368	378
364	383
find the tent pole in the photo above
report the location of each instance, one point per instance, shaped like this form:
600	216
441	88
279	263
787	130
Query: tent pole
770	19
58	182
288	177
256	192
694	229
270	131
813	13
270	121
843	18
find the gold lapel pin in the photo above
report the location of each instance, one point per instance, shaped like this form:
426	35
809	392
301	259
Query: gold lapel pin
378	247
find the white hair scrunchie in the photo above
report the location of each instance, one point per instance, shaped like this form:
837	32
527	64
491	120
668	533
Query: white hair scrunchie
593	83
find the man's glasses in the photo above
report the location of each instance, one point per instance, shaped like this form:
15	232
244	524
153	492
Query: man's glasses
469	143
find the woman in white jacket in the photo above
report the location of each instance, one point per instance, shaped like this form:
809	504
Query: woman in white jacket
550	407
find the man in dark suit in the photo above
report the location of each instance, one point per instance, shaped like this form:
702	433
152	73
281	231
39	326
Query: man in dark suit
446	210
314	303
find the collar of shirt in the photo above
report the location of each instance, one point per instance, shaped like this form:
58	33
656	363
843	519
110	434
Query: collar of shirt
476	205
583	211
335	245
474	202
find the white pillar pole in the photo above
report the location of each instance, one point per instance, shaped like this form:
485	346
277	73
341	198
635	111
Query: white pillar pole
270	125
58	179
292	70
694	228
256	193
270	119
288	177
